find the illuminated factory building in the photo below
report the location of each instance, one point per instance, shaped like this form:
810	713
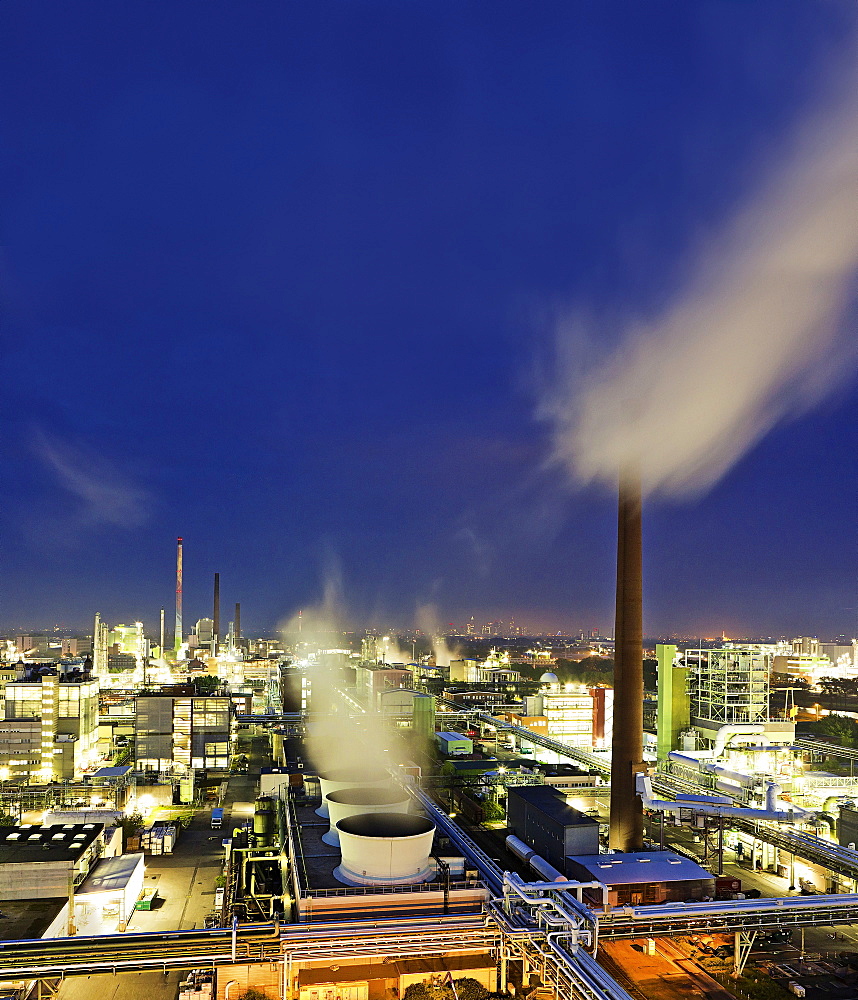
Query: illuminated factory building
50	730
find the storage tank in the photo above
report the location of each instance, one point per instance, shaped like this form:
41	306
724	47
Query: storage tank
277	747
385	849
357	801
350	777
263	821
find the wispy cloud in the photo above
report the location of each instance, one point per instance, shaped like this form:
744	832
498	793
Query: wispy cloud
101	493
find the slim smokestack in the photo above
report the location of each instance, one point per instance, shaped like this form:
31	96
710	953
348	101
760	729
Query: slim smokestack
162	632
178	637
236	635
216	614
626	827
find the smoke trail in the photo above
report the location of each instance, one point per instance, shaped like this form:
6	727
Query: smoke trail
756	335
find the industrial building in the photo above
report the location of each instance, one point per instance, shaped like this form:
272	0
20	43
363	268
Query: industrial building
474	672
183	732
642	877
407	709
454	744
106	898
727	686
40	862
372	680
50	731
540	816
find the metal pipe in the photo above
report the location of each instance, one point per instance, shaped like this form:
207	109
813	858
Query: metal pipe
644	791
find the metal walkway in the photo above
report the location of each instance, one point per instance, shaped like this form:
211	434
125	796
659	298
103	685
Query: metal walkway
593	761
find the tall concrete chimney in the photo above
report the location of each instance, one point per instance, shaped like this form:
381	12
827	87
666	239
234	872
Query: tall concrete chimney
626	823
236	632
178	635
216	614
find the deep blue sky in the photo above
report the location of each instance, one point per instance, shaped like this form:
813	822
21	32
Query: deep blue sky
276	277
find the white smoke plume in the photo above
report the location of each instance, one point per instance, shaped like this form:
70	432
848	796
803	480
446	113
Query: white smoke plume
755	336
339	734
428	622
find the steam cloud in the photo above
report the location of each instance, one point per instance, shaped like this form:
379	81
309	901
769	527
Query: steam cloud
427	621
755	336
337	736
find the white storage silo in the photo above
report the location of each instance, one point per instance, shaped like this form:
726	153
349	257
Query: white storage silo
350	777
362	800
385	849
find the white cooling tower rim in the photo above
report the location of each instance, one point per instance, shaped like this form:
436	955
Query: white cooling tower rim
400	828
355	775
349	777
352	801
368	795
386	826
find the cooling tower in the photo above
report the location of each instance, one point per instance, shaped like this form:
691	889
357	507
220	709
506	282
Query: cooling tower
385	849
357	801
350	777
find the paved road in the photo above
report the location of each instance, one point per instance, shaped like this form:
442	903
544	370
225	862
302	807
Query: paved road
185	880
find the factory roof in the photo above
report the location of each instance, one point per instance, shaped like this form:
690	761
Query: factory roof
25	919
110	874
636	867
551	803
29	844
112	772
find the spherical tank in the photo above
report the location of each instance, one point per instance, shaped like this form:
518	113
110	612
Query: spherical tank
384	849
354	801
350	777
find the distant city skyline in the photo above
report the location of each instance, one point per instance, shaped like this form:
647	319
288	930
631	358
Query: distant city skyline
449	628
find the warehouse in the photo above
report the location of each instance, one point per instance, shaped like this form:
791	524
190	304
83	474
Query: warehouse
643	877
454	744
540	816
37	862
